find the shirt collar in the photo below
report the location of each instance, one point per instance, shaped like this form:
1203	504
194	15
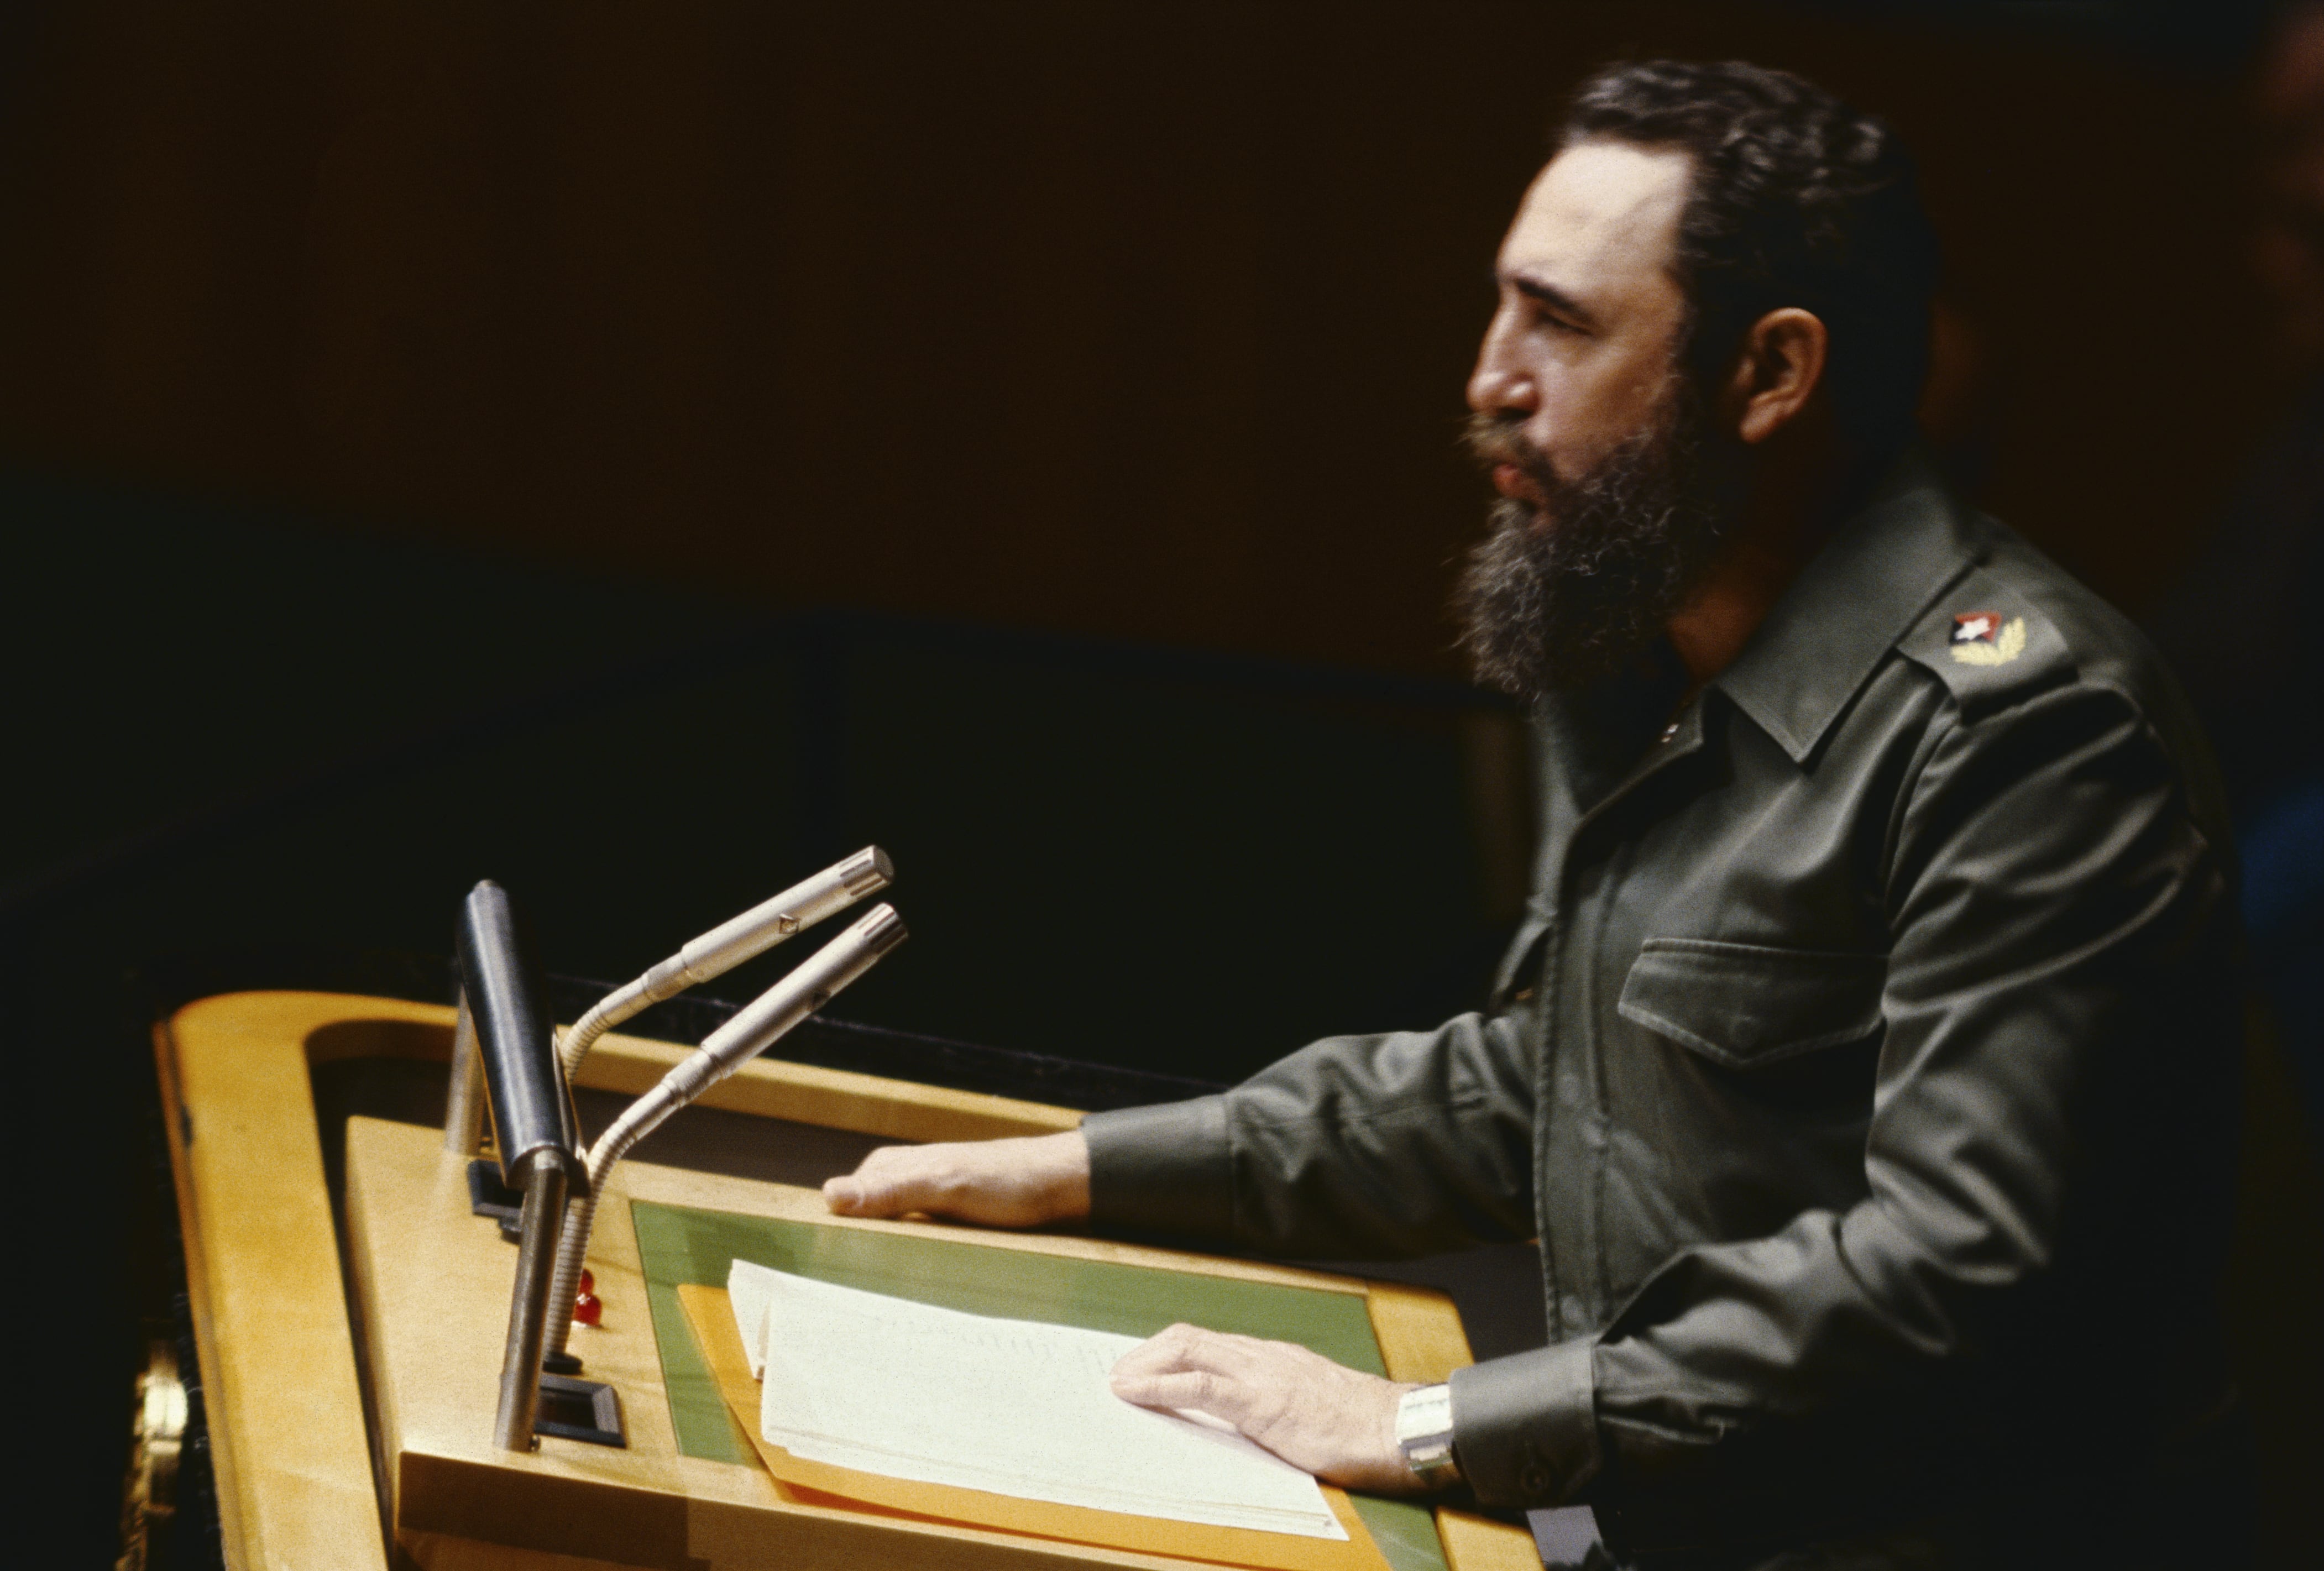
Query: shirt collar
1849	605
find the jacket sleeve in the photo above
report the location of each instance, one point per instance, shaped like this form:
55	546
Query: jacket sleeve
1352	1148
2052	1018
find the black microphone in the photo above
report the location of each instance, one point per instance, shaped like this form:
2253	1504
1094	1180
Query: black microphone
533	1127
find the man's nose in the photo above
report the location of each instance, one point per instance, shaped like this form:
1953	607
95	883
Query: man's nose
1498	385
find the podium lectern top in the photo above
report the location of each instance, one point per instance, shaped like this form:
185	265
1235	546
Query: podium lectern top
349	1309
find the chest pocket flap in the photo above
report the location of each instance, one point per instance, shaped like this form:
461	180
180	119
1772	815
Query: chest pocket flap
1741	1004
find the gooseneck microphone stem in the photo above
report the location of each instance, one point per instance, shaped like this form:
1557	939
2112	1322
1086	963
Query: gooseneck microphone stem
728	944
726	1049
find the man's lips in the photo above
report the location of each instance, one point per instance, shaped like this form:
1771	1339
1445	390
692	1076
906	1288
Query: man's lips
1511	480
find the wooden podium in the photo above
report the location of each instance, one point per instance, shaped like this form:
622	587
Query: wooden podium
349	1311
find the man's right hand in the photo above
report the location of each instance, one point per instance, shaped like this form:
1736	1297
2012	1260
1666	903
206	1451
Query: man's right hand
999	1183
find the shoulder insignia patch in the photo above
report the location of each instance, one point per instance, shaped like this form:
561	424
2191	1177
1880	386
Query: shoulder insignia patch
1987	642
1982	638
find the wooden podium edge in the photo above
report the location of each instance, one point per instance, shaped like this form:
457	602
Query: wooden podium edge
289	1436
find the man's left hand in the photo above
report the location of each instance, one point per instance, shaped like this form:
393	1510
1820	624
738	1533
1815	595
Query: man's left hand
1335	1422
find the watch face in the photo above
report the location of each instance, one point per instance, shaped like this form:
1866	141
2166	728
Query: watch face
1436	1467
1424	1432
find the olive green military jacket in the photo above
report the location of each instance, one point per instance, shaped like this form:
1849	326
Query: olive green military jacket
1865	1069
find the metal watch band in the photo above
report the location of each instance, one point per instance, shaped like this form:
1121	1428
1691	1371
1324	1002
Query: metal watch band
1424	1433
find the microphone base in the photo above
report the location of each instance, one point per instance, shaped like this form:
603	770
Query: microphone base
488	1197
580	1410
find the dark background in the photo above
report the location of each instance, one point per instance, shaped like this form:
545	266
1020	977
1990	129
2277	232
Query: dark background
640	454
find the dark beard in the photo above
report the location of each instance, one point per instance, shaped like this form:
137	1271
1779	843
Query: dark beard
1555	608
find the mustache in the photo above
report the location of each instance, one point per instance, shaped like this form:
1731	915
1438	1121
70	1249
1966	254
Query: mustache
1493	440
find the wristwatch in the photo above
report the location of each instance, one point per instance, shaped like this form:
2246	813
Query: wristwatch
1424	1433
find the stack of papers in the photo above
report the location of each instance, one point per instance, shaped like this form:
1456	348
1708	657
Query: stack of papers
1017	1408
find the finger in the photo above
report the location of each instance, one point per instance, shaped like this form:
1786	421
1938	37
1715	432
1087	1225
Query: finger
1169	1351
1200	1391
1168	1342
1205	1371
885	1185
1225	1353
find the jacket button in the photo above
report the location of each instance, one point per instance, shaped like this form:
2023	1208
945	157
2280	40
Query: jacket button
1535	1481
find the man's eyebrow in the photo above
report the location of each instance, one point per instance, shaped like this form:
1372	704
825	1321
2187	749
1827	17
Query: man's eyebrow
1550	295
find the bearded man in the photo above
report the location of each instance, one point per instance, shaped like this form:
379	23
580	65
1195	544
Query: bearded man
1865	1067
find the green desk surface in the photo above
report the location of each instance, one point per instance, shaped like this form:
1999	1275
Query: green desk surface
677	1245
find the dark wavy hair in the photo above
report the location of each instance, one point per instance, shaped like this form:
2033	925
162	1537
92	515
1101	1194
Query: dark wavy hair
1797	201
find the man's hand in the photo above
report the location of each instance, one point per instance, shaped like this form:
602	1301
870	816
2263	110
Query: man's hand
1333	1421
999	1183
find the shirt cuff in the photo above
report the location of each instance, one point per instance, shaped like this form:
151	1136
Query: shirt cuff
1525	1428
1164	1169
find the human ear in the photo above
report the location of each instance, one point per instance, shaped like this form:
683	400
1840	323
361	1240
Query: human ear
1778	369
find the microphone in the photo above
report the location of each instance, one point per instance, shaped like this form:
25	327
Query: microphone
729	944
534	1128
532	1110
761	1023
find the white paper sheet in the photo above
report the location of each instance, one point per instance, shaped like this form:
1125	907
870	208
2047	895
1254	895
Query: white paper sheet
748	1288
1018	1408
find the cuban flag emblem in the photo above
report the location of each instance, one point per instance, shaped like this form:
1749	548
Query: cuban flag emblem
1982	638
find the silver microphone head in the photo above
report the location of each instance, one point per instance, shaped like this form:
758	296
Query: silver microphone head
808	987
866	871
770	922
